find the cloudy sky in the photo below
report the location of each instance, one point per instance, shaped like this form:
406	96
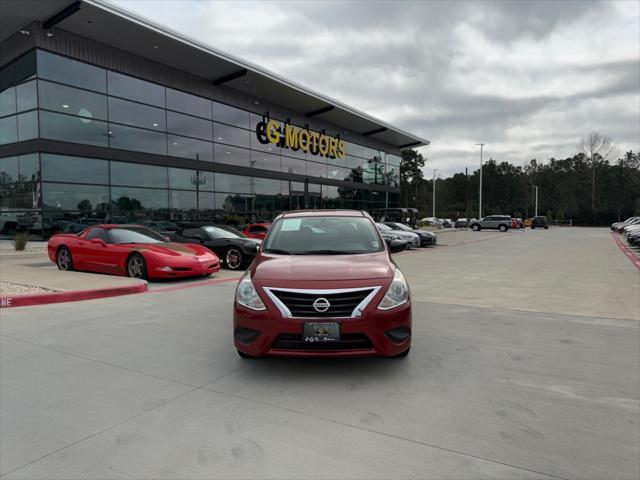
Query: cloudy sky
527	78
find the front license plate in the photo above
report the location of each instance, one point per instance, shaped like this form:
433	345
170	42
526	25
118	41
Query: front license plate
321	332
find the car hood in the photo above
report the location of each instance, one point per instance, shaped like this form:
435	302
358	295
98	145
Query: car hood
404	235
425	232
173	249
293	268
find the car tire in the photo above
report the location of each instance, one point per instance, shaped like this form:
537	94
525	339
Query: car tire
503	228
244	355
475	228
234	258
533	227
64	260
546	228
137	266
403	354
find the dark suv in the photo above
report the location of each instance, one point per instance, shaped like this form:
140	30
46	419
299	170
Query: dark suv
539	222
496	222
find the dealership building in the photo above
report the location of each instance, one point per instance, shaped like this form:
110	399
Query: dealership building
106	116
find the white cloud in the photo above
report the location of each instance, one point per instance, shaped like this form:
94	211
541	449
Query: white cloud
527	78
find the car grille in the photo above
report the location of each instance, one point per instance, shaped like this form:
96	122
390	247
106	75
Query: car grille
348	341
300	303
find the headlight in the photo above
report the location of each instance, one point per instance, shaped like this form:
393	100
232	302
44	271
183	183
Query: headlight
397	294
246	294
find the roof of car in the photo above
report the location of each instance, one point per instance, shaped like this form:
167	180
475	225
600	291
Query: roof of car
324	213
116	225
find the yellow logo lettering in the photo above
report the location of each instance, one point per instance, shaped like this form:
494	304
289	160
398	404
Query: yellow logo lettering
291	137
273	131
303	140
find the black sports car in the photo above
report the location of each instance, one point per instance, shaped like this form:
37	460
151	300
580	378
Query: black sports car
234	249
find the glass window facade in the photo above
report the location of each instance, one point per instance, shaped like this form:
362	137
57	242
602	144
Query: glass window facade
67	128
186	103
131	88
71	72
48	96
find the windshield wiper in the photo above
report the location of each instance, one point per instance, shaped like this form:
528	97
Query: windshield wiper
277	250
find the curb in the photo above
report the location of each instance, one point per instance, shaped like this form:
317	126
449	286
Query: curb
73	296
627	251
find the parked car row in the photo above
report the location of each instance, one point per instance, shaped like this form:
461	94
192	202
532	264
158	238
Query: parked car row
620	226
163	249
630	229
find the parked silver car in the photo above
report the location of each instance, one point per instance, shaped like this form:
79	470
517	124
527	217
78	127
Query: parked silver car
495	222
412	239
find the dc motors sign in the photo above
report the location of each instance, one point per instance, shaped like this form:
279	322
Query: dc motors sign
285	135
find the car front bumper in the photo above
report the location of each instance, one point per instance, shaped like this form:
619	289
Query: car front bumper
377	333
184	269
426	241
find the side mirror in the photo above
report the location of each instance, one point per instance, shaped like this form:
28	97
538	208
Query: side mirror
98	241
167	239
397	246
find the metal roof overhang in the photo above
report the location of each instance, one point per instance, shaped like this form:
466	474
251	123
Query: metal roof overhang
109	24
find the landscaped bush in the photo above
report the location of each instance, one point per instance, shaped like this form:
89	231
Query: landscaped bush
21	240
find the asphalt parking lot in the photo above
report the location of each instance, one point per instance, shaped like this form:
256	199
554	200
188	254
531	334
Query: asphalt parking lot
525	364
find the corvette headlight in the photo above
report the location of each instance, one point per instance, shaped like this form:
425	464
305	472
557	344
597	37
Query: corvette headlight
397	294
246	294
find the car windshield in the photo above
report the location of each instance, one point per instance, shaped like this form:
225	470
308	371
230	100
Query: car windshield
134	235
222	232
404	227
328	235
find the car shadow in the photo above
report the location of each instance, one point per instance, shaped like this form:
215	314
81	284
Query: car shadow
320	370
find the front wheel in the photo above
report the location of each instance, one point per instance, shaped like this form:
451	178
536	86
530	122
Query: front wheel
244	355
64	261
234	259
136	266
476	228
503	228
546	228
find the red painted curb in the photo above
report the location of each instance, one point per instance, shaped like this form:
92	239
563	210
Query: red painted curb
627	251
74	296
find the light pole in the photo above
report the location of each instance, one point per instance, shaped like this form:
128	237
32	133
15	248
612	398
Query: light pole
480	201
536	207
434	192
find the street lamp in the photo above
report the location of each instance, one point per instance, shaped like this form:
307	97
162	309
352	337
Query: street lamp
536	197
480	201
434	192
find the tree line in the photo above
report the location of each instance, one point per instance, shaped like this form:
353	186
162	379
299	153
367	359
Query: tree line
586	189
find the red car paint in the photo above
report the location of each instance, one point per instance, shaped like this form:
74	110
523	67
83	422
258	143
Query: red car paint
322	272
256	230
185	260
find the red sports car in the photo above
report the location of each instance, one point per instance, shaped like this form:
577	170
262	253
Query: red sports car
256	230
131	250
323	284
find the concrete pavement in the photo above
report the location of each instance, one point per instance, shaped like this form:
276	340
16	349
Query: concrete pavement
576	271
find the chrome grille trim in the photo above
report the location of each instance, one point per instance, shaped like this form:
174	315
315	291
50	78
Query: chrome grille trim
357	312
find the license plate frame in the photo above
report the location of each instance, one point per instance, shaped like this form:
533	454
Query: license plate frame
321	332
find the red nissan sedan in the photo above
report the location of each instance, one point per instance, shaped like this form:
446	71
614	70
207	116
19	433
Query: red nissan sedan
323	284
